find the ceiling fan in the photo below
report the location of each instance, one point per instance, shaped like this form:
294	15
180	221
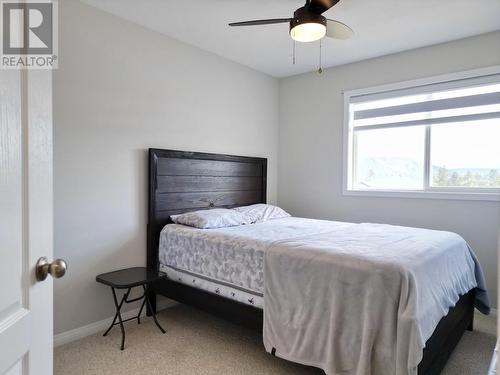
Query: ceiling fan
308	24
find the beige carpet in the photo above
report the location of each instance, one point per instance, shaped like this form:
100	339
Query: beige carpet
199	344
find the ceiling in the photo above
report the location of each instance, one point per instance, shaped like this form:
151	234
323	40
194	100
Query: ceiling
381	27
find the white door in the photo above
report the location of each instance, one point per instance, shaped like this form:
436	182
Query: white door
26	328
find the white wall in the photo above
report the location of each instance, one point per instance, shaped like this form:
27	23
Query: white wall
310	147
119	90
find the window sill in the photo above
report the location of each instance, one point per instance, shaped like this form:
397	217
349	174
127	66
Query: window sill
470	196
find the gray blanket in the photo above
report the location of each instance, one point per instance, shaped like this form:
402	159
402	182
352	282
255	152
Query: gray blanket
364	298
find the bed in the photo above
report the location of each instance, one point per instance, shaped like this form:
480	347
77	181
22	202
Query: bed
184	181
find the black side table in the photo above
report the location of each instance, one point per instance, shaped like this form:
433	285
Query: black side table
129	278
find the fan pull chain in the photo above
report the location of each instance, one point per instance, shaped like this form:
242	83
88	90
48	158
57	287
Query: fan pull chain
293	54
320	70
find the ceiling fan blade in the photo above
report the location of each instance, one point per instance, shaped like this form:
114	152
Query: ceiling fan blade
261	22
338	30
320	6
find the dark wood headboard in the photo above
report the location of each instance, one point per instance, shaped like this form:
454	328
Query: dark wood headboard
181	181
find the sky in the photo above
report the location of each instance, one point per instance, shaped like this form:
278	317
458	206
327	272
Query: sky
466	145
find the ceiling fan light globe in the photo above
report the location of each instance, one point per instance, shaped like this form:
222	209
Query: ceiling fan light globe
308	32
307	26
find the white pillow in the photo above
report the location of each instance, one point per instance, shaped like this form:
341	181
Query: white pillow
214	218
258	213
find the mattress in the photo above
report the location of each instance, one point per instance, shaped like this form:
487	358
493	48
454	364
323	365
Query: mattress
229	261
214	286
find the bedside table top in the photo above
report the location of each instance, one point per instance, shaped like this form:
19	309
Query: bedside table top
130	277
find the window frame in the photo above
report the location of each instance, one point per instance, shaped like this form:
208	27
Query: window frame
428	192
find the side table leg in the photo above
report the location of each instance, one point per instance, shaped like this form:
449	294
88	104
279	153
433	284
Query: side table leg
146	292
116	314
140	310
152	303
111	326
118	307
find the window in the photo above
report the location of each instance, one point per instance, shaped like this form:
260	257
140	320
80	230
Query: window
425	139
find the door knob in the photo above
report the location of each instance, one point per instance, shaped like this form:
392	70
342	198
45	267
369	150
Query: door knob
57	268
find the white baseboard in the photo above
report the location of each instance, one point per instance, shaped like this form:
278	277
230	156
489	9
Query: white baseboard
96	327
